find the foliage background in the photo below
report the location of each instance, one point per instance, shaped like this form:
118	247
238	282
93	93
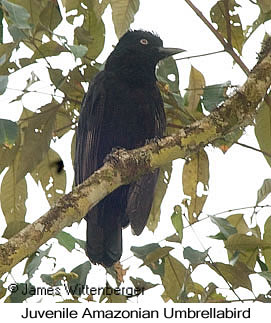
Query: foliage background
56	57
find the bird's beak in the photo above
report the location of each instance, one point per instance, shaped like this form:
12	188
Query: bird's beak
165	52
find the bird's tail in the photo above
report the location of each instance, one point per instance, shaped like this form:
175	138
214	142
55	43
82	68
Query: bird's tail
104	242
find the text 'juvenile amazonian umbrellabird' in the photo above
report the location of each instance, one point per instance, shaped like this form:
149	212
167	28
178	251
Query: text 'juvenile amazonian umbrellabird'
122	108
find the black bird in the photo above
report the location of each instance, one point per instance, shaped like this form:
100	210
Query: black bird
122	108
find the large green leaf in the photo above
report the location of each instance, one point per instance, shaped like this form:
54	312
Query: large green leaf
263	129
224	226
264	191
265	5
50	17
123	12
194	172
17	14
214	95
75	285
267	240
168	73
219	14
93	26
160	191
52	181
177	221
34	261
3	83
68	241
50	48
70	85
36	133
195	257
20	295
7	156
195	91
237	275
175	278
8	132
13	197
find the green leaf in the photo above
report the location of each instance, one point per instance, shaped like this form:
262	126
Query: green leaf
168	73
265	5
160	191
75	285
34	262
264	191
177	221
78	50
17	14
237	220
195	257
237	275
82	36
13	197
156	254
218	236
153	256
219	16
261	19
37	130
267	240
94	26
194	172
8	132
50	17
3	290
141	284
54	279
175	278
244	242
262	264
173	238
50	48
213	95
263	129
52	181
142	252
195	89
3	83
68	241
266	275
245	247
123	12
20	295
1	35
224	226
16	33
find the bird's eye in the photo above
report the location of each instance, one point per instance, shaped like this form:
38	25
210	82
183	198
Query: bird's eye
144	41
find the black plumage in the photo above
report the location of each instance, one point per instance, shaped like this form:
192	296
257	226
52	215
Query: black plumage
122	108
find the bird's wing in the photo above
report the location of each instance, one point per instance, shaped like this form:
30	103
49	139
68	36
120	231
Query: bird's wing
88	131
141	192
140	200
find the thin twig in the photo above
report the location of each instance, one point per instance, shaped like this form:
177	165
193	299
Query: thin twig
200	55
253	148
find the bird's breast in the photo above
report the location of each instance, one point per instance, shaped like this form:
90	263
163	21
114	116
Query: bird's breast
129	116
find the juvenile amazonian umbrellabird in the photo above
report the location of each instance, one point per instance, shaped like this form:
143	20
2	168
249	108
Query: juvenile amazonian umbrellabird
122	108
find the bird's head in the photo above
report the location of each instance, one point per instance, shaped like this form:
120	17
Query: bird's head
137	53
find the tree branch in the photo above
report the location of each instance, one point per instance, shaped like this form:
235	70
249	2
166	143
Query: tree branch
123	166
227	46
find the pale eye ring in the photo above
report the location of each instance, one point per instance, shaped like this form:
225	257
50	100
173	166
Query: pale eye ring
144	41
